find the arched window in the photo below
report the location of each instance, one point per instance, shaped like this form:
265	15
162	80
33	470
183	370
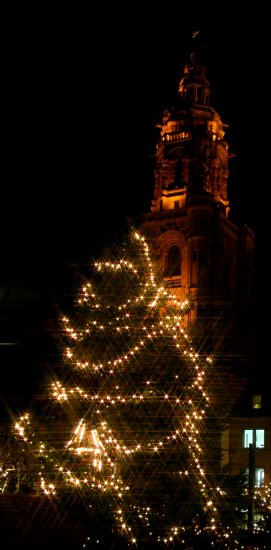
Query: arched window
173	262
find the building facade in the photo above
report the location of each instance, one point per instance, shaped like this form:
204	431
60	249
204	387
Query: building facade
248	432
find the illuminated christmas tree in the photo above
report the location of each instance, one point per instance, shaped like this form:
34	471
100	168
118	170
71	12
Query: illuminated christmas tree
130	419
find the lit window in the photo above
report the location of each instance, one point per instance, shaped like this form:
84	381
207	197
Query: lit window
258	519
256	401
259	476
255	437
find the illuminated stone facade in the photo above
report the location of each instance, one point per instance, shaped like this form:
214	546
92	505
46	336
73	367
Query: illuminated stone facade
201	253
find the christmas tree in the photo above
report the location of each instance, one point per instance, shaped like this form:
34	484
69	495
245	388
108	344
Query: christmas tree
129	424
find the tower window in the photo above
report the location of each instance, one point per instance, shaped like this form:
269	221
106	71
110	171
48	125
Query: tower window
202	260
199	95
176	205
194	256
173	262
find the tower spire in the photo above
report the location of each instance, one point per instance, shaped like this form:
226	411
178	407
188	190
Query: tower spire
194	86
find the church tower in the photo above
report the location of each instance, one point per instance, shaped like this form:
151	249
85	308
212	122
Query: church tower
200	252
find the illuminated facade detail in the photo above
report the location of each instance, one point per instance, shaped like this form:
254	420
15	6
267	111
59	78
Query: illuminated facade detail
176	136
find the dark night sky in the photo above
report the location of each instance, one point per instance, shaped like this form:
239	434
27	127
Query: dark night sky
82	95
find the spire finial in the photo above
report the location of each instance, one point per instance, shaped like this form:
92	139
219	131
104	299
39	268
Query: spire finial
195	33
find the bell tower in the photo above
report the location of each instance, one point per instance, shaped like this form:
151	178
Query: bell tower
200	252
191	155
